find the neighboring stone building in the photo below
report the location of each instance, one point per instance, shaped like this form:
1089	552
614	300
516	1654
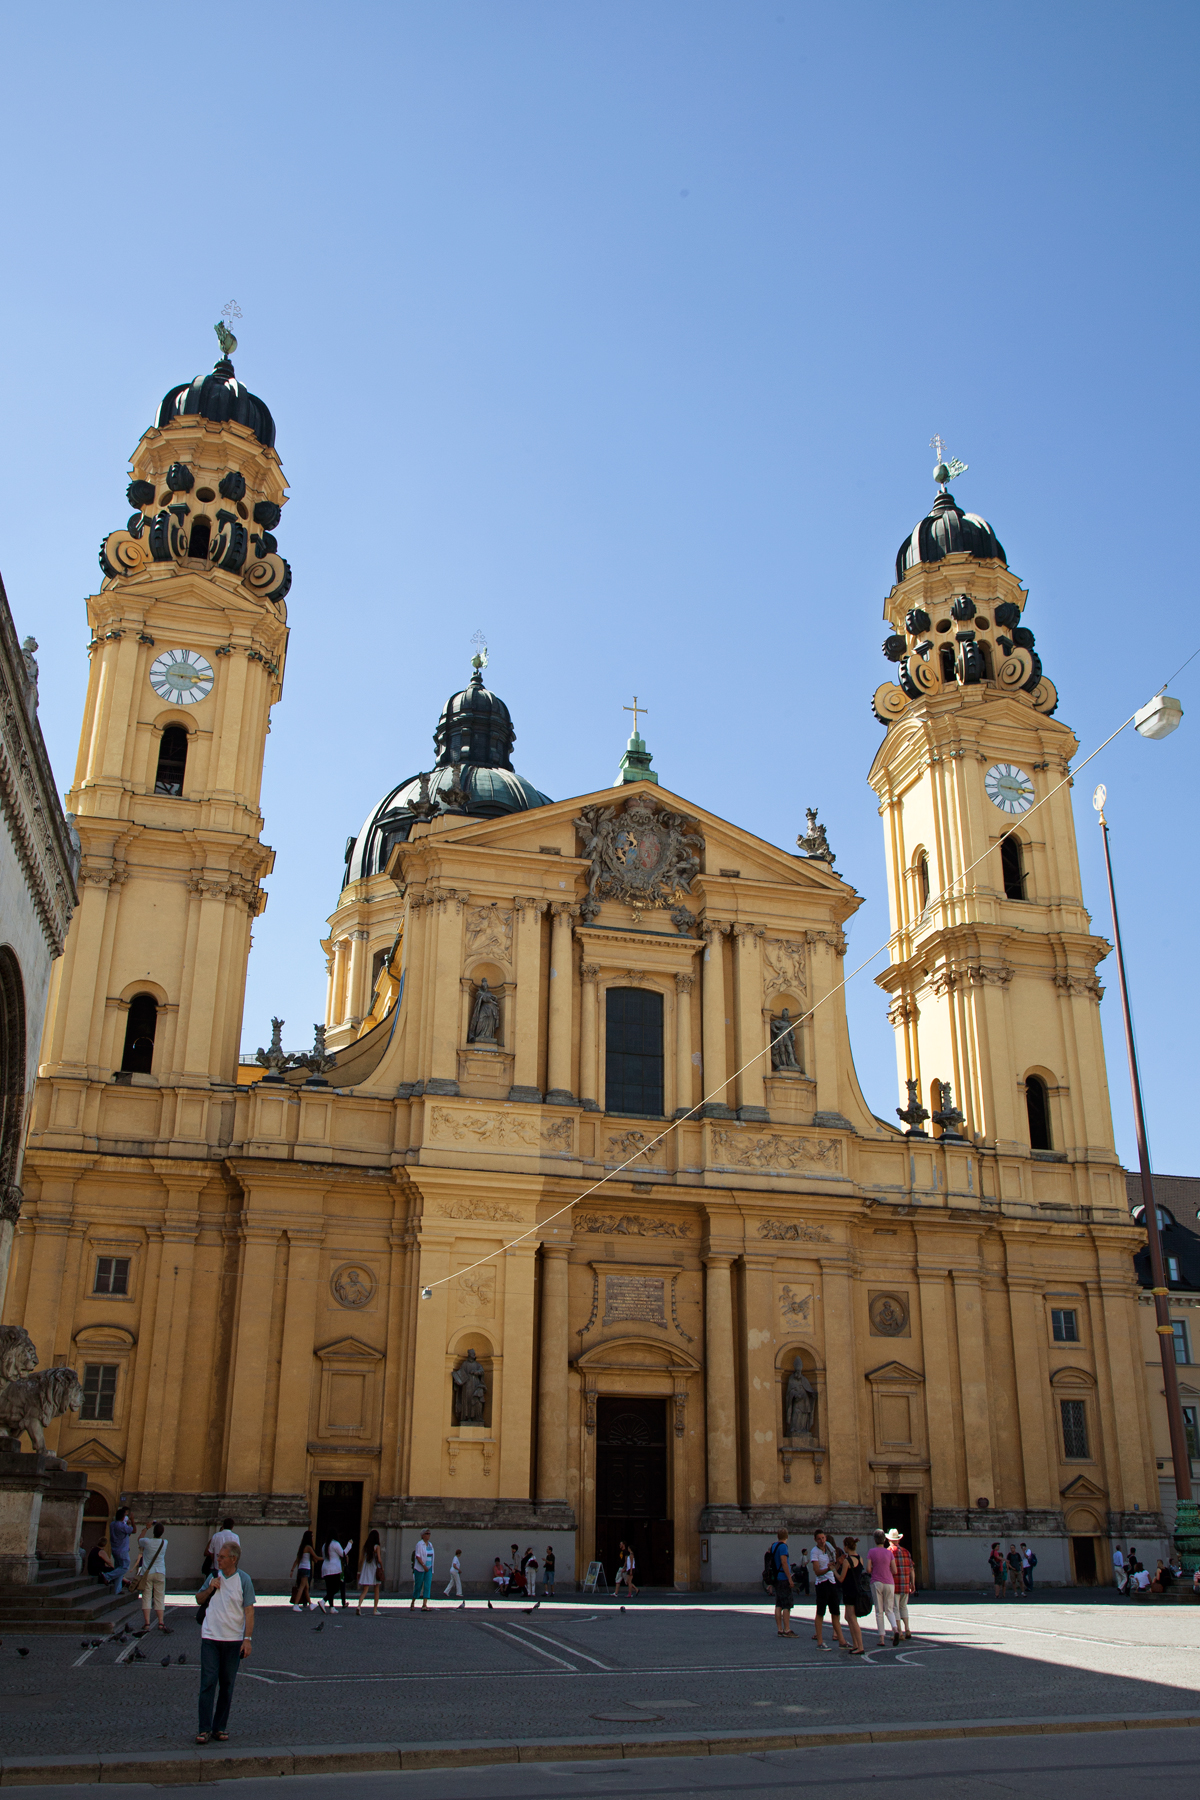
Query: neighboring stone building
679	1281
1178	1200
38	863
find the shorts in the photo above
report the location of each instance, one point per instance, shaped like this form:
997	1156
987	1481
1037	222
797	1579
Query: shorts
828	1599
154	1592
784	1598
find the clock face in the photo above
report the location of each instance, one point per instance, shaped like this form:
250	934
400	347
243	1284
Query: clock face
1009	788
182	676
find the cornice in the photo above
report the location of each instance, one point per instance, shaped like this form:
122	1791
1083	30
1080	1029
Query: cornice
28	796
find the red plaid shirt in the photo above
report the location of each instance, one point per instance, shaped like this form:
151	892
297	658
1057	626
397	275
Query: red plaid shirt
906	1576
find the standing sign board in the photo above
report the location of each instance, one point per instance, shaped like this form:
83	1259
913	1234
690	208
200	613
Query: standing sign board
595	1573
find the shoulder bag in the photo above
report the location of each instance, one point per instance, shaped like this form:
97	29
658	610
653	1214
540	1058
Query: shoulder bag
138	1582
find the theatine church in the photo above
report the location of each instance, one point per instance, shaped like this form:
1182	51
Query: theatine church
380	1285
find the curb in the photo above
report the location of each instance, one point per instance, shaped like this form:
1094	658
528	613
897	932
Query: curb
199	1765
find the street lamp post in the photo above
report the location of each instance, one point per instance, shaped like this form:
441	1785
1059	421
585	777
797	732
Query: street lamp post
1187	1522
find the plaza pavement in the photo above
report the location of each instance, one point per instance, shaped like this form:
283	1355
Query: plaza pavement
670	1676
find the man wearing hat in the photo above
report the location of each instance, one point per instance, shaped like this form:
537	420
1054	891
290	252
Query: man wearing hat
906	1579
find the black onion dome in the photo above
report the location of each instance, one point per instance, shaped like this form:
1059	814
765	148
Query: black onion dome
475	727
945	531
219	396
474	741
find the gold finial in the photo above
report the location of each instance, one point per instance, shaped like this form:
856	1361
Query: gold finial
635	709
229	312
948	468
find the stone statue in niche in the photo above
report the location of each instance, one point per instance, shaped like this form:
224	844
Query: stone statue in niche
485	1017
783	1044
470	1391
799	1404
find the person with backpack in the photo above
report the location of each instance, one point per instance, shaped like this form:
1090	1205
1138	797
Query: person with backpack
1016	1572
779	1562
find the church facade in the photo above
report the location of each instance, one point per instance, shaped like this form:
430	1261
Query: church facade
575	1225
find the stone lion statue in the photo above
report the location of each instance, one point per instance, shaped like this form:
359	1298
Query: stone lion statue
17	1354
32	1401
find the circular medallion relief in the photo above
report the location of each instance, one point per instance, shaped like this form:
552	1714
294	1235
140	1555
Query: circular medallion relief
889	1315
352	1285
1009	788
182	676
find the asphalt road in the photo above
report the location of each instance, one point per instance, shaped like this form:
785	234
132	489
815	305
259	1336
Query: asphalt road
1092	1766
592	1671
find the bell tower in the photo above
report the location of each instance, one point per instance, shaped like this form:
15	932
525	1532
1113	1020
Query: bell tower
188	637
992	975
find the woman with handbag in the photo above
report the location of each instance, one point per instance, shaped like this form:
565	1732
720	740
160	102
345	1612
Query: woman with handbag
856	1591
150	1577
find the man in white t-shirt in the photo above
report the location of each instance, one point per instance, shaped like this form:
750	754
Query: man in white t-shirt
225	1638
820	1561
422	1571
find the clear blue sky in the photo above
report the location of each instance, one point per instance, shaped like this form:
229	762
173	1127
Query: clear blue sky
619	331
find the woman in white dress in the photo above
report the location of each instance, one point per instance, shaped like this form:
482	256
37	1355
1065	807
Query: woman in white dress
370	1576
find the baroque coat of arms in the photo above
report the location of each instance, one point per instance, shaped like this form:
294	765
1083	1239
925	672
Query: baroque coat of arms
639	853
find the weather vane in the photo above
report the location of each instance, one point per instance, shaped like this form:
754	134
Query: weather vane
479	661
948	467
635	709
229	312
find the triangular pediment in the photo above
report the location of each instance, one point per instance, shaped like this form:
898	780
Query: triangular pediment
92	1455
348	1349
894	1371
1082	1489
731	853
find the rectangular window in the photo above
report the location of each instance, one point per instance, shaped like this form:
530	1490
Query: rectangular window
99	1390
1183	1347
1074	1423
1189	1426
1172	1268
112	1275
1065	1325
633	1071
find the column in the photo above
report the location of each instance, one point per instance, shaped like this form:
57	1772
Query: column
747	975
1027	1313
356	1006
558	1071
762	1426
972	1369
442	1077
945	1488
552	1376
297	1366
589	1037
528	1007
338	987
248	1389
712	1005
512	1408
718	1378
842	1382
683	1044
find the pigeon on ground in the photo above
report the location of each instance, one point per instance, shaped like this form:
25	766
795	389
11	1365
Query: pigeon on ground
491	1608
22	1653
622	1609
166	1662
181	1659
319	1627
533	1608
138	1656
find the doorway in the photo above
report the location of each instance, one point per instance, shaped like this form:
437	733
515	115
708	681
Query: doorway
896	1512
631	1488
339	1515
1083	1551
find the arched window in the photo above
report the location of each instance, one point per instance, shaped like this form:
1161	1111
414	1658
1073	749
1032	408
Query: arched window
1012	863
12	1064
172	761
633	1063
949	673
199	539
1037	1105
921	875
139	1034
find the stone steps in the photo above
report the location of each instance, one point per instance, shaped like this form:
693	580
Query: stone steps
61	1603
